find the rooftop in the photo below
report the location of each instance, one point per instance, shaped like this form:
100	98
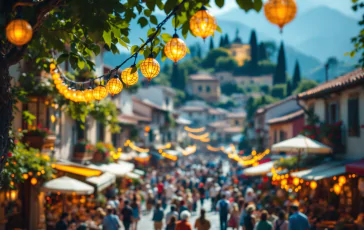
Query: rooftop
348	80
267	107
217	111
203	77
237	115
192	108
147	103
219	124
234	129
286	118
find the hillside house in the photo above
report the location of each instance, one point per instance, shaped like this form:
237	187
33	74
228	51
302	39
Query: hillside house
204	86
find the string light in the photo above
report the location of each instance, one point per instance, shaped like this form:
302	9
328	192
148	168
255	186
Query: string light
214	149
130	76
150	68
203	24
114	86
100	92
19	32
199	137
136	148
175	49
194	130
189	150
280	12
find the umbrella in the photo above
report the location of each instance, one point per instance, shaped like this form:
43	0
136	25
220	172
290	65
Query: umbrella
67	185
301	144
258	170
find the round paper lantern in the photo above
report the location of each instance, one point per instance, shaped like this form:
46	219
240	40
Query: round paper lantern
114	85
62	88
337	189
150	68
80	96
89	96
128	77
58	81
296	181
73	96
313	185
280	12
175	49
52	66
203	24
34	181
55	76
342	180
68	93
19	32
100	92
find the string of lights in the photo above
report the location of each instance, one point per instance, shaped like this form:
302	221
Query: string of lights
214	149
194	130
189	150
198	137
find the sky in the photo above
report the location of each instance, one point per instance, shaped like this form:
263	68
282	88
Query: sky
343	6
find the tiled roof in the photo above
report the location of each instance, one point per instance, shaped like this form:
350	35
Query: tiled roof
147	103
127	119
168	89
286	118
267	107
237	115
193	109
235	129
141	117
219	124
217	111
203	77
346	81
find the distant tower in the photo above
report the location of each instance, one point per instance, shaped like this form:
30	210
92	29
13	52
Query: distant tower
237	39
238	50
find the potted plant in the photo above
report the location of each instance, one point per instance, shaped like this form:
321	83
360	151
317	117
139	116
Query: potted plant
102	152
35	137
83	151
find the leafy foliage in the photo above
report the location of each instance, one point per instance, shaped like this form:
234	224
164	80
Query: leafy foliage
280	73
213	55
279	91
305	85
296	76
226	64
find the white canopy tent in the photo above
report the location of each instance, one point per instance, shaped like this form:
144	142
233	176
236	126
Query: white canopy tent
67	185
119	169
258	170
103	181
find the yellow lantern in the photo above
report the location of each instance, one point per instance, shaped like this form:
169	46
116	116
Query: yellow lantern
67	93
150	68
313	185
34	181
283	182
342	180
114	85
100	92
175	49
128	77
58	81
52	67
203	24
55	76
296	181
89	96
337	189
80	96
73	96
25	176
62	89
280	12
19	32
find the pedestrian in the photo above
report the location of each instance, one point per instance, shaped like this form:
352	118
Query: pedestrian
160	189
171	213
281	223
158	217
136	212
263	223
111	221
127	214
214	190
201	190
150	201
298	220
183	223
234	217
250	195
171	225
182	207
202	223
249	219
62	224
222	207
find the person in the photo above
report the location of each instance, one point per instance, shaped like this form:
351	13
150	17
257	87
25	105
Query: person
234	217
150	201
136	213
263	223
201	190
249	195
249	219
281	223
183	223
182	208
111	221
222	207
127	215
171	225
171	213
158	217
214	190
202	223
62	224
271	214
114	203
298	220
160	189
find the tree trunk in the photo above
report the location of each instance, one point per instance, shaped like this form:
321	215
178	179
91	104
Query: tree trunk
6	108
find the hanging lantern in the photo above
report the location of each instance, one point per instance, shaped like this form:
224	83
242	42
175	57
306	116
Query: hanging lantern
67	93
114	85
175	49
296	181
89	96
150	68
56	76
337	189
52	67
313	185
203	24
58	81
100	92
280	12
80	96
342	180
63	87
73	95
19	32
128	77
34	181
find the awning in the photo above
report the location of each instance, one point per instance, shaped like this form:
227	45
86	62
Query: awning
67	185
132	175
261	169
326	173
301	144
78	170
314	170
119	169
356	167
139	172
103	181
127	156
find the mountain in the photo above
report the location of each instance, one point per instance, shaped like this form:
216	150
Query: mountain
320	31
318	74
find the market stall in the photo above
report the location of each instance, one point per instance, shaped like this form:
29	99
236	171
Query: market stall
259	170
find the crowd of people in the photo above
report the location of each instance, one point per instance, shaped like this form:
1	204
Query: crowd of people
171	197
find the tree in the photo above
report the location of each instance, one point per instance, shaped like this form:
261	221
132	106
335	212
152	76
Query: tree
226	64
279	76
279	91
222	40
226	41
198	51
253	64
305	85
296	76
77	31
175	77
289	88
262	53
212	56
271	48
212	46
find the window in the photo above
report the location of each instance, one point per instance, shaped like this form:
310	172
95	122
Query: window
116	139
81	131
199	88
208	89
353	117
275	136
167	101
333	113
100	132
282	136
236	122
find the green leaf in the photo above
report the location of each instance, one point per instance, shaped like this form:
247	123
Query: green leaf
220	3
106	35
151	31
81	64
134	69
169	5
151	4
166	37
218	29
62	58
258	4
142	21
188	50
134	48
147	12
245	4
153	19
